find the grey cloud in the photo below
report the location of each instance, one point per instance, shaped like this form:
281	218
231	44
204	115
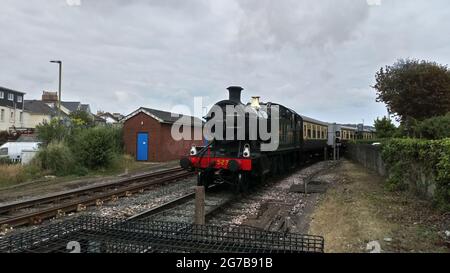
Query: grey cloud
317	57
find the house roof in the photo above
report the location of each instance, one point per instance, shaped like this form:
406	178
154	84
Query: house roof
72	106
39	107
107	114
85	107
10	90
161	116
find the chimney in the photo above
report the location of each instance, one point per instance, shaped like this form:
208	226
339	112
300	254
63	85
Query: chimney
49	96
255	102
235	93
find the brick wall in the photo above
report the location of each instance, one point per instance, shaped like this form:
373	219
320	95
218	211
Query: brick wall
162	147
171	149
142	123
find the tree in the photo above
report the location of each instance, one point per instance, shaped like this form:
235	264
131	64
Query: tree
384	127
94	147
433	128
81	118
414	89
52	131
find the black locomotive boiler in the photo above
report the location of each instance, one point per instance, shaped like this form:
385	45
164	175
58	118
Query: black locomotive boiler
243	160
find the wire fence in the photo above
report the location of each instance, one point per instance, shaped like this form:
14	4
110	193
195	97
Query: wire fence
109	235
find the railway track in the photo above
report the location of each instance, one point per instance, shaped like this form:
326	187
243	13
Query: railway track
34	211
182	208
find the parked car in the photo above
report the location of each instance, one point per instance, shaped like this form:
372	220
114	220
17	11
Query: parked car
13	150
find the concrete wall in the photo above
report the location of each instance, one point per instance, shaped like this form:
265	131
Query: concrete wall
419	180
368	155
33	120
7	121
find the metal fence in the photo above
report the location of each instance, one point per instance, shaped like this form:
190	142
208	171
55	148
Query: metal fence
106	235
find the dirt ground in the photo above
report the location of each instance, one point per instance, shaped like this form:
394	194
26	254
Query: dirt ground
357	210
350	209
52	186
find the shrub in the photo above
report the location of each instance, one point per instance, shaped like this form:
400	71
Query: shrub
434	128
384	127
403	156
56	158
94	148
117	135
53	131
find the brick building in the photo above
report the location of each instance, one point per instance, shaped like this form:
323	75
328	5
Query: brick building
147	135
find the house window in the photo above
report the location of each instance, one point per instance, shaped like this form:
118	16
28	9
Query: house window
2	115
19	98
21	116
12	115
10	96
2	95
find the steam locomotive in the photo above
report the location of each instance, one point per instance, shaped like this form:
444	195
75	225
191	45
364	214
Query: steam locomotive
244	160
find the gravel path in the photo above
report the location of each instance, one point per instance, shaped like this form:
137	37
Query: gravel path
274	207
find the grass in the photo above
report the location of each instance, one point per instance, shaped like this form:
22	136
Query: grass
358	210
14	174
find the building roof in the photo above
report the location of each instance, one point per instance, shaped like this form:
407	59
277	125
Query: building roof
72	106
161	116
10	90
108	114
85	107
39	107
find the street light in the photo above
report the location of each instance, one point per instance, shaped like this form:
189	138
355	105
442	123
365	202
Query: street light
59	88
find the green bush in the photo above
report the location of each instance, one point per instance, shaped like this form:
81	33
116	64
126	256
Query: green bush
56	158
384	127
53	131
433	128
94	147
402	156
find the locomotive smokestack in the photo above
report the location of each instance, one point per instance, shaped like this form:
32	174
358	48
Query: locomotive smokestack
235	93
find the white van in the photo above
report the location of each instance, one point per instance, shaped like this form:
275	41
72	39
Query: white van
13	150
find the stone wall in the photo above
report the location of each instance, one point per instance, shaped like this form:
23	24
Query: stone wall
418	179
367	155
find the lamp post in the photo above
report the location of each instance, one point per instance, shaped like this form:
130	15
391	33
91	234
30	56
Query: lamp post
59	87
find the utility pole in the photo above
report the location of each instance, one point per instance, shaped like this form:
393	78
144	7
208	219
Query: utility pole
59	88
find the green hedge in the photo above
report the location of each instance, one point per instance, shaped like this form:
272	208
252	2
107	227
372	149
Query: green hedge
56	158
403	156
96	147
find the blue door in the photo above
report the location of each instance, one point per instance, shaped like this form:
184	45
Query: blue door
142	146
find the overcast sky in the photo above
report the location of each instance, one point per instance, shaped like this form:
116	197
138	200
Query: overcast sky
318	57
